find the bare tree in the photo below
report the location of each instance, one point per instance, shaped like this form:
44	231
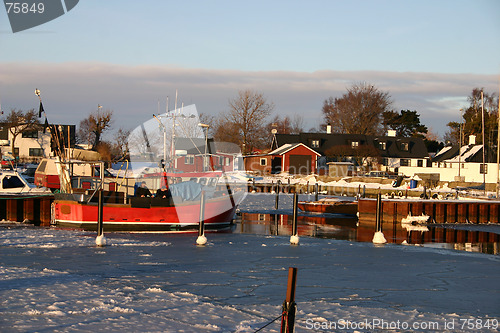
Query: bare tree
245	121
92	128
120	147
358	111
19	121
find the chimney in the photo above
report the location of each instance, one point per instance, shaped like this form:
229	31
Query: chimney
328	129
472	139
391	133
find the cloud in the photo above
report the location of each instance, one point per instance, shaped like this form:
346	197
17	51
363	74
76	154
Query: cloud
72	90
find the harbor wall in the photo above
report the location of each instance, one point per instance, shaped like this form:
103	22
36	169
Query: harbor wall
439	211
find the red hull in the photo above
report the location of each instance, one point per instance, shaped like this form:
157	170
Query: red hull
332	207
218	214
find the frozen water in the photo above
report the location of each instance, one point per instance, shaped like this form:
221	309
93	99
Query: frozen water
59	280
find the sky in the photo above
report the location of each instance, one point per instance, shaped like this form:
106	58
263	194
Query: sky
128	56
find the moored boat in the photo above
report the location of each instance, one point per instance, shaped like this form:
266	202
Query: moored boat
145	214
330	206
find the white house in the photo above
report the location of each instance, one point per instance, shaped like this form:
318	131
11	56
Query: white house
33	145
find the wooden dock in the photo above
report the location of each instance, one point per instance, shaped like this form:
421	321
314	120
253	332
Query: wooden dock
29	208
439	211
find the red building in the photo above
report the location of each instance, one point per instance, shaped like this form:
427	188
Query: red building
295	158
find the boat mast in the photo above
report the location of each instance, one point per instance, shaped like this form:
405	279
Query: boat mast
484	145
498	148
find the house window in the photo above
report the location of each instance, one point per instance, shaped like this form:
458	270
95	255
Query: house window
189	159
263	161
30	134
404	162
315	144
483	168
228	161
355	144
405	146
420	163
36	152
382	145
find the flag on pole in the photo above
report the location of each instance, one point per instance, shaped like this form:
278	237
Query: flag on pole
45	125
40	110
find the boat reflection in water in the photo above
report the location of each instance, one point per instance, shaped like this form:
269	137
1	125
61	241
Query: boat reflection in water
471	238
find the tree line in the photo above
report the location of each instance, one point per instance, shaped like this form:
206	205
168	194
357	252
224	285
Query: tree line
249	121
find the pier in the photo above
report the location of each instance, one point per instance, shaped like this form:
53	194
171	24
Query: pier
28	208
439	211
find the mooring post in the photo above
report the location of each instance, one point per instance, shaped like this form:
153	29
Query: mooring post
277	199
364	191
378	236
294	239
202	240
378	213
316	192
289	305
100	239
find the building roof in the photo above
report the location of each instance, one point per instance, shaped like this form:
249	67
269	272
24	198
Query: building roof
468	153
387	146
290	146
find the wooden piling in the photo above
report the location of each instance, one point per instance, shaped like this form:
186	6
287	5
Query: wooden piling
378	216
295	213
100	213
289	305
201	230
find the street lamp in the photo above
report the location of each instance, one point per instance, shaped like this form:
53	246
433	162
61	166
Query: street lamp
205	126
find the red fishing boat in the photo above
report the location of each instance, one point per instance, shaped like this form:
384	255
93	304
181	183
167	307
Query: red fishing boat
145	214
330	206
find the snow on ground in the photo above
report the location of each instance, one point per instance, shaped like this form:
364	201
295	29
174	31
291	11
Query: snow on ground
58	280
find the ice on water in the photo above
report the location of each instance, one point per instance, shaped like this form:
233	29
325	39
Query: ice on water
59	280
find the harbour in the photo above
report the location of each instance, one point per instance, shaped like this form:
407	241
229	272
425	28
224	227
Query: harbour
237	281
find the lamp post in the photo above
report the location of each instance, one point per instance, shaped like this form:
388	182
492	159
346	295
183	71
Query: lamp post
205	126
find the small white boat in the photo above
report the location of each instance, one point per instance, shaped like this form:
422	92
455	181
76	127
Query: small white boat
13	183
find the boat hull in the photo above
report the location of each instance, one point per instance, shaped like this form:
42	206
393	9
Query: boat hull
123	217
340	207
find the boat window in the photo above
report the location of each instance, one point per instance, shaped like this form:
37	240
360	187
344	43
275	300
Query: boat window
203	181
12	182
212	182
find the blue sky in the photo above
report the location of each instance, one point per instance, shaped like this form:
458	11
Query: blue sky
428	55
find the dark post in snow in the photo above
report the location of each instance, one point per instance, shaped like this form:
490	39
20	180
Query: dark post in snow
202	240
294	239
277	200
364	191
100	213
316	192
289	305
378	216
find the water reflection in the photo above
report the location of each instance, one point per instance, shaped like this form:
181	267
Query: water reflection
471	238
